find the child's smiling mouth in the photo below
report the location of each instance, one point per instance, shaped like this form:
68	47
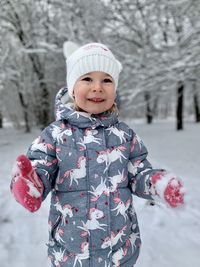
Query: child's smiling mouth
96	100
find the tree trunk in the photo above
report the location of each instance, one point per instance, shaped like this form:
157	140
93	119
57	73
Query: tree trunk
196	104
180	104
44	114
1	120
149	113
197	109
25	113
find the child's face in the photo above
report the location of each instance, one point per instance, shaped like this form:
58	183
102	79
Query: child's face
94	92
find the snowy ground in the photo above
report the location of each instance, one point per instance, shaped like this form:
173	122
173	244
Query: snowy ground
170	238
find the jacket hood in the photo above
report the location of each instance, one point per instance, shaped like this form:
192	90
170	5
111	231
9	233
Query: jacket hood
64	110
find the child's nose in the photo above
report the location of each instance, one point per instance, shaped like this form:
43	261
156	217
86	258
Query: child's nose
97	87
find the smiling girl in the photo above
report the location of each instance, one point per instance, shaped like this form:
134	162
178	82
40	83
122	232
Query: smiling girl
92	164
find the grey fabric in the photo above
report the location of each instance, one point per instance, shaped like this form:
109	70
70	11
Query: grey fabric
92	165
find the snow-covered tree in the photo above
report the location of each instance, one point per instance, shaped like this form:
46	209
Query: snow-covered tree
20	39
159	43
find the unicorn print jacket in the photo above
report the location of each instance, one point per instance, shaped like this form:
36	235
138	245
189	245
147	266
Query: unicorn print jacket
92	165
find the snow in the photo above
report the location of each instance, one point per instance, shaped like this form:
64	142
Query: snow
170	237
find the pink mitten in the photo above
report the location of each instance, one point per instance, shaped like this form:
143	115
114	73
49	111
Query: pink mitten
26	186
169	188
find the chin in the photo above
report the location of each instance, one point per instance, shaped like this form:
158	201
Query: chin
96	112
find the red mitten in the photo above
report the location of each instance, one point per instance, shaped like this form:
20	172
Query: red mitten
26	186
169	188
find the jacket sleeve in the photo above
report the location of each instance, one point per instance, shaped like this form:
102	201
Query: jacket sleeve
42	154
140	171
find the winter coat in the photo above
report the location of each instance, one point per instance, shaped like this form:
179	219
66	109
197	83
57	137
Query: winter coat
92	164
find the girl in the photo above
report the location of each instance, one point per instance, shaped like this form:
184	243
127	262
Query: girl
92	163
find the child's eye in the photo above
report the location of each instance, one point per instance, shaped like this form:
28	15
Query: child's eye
87	79
107	80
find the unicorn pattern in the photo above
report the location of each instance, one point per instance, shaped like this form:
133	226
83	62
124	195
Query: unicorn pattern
116	180
111	155
66	211
111	241
78	173
118	132
93	223
99	190
59	257
89	137
37	144
122	207
58	133
83	255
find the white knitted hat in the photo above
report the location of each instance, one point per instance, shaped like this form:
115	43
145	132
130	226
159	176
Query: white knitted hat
88	58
